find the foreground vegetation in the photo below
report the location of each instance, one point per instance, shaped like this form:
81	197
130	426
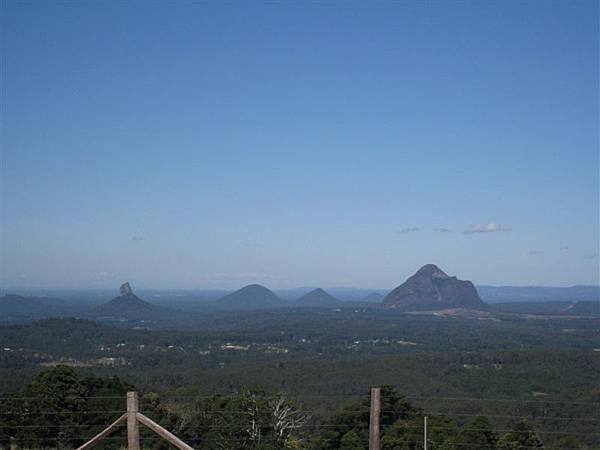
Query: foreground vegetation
452	369
62	409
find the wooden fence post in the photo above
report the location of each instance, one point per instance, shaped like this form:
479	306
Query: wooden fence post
374	443
425	433
163	433
133	418
133	427
108	430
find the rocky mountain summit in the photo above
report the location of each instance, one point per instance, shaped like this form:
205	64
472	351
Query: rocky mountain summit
125	289
432	287
127	305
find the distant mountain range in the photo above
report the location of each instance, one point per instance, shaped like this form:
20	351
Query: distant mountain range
555	308
344	294
428	288
504	294
17	307
431	287
374	297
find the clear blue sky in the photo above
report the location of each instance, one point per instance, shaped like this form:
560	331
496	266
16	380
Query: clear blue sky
325	143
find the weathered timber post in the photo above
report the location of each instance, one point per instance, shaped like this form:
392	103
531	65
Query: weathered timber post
425	433
374	443
163	433
108	430
133	418
133	426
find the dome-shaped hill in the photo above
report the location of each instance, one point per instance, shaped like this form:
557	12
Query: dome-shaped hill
253	296
317	297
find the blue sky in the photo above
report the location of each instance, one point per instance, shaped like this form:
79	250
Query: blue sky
324	143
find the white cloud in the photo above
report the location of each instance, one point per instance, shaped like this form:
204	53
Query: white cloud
408	230
489	227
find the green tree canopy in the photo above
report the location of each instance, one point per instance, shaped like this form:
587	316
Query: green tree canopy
61	408
355	418
478	434
521	437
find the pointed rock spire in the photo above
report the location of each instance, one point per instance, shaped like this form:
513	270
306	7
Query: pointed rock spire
125	289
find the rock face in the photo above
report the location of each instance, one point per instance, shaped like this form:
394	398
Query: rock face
125	289
431	287
317	297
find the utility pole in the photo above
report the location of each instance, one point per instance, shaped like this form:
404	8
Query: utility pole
424	432
133	426
374	443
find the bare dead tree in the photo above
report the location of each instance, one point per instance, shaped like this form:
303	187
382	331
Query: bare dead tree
286	418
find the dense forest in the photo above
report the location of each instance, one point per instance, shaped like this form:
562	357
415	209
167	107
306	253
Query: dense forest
454	369
62	409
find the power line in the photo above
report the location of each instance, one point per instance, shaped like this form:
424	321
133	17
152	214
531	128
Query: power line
31	413
227	427
264	439
365	411
500	416
503	400
349	396
50	397
363	396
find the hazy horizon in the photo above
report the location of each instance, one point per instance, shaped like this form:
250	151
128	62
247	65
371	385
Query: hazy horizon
233	287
